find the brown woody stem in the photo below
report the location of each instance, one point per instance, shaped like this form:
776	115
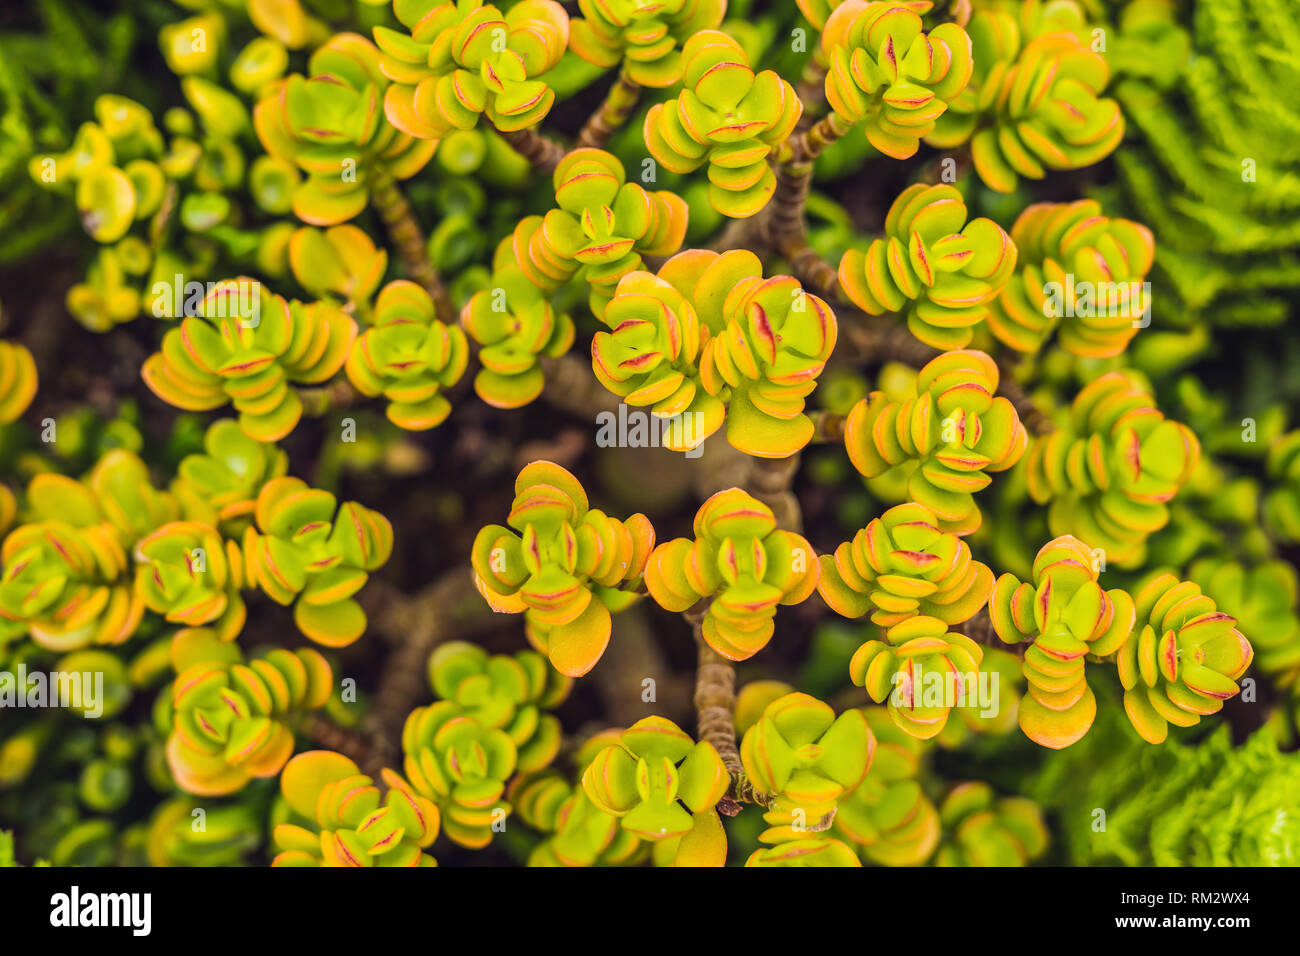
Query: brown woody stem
783	224
715	704
828	427
770	481
611	114
327	398
331	736
404	230
539	149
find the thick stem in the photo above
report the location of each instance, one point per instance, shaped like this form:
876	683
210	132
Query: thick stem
715	704
770	482
543	152
405	232
783	220
327	398
828	427
341	740
612	113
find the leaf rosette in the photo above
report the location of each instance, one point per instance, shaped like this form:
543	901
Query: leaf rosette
1065	616
1185	660
602	228
901	565
943	270
646	36
249	347
567	567
744	562
728	117
1095	264
954	431
885	68
460	60
409	357
346	820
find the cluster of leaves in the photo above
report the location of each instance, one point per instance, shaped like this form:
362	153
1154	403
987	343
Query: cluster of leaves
306	127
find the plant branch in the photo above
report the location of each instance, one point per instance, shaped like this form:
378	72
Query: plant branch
327	398
828	427
980	630
770	481
715	703
331	736
404	230
539	149
611	114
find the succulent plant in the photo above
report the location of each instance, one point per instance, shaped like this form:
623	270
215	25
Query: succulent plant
886	69
340	260
1263	600
948	269
949	435
1109	474
1079	274
523	199
984	831
219	487
727	116
568	567
743	562
409	357
888	816
187	573
309	551
67	587
805	757
506	692
230	720
902	565
1183	661
459	60
660	785
247	346
646	36
1066	616
17	381
922	669
459	763
707	331
349	820
332	125
1034	103
579	833
514	324
602	228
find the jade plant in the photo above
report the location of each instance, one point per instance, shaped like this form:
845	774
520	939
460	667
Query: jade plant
648	433
568	567
709	331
